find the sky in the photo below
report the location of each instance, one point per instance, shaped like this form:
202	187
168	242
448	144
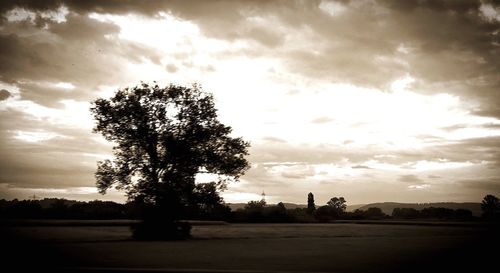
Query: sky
370	100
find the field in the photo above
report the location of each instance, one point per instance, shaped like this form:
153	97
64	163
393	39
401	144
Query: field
344	247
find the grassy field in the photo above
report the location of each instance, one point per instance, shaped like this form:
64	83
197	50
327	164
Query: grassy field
345	247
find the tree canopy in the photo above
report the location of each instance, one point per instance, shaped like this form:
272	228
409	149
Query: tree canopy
310	202
338	204
163	138
491	207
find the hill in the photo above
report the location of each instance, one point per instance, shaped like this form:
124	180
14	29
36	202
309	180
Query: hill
388	207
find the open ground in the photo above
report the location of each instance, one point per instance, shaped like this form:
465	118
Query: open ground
341	247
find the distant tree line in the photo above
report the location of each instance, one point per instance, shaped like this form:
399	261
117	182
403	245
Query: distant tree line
432	213
53	208
335	209
210	206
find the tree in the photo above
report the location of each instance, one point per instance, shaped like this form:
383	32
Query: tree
255	205
325	214
281	207
338	204
490	207
310	203
333	210
405	213
163	138
374	213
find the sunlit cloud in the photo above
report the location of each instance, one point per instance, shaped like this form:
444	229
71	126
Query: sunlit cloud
34	136
419	187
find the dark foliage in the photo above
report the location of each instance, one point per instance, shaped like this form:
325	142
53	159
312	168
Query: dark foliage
311	207
325	214
374	213
259	212
63	209
334	209
209	206
20	209
338	204
432	213
164	137
490	207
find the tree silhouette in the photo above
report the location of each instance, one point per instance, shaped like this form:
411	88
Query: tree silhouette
338	204
374	213
334	208
310	203
490	207
163	138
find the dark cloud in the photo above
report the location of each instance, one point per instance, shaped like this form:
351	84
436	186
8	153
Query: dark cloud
410	178
171	68
458	6
76	51
4	94
489	185
360	167
50	95
369	44
265	36
146	7
64	160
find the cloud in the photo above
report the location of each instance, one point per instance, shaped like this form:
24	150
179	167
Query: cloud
360	167
274	139
488	185
321	120
61	54
49	155
172	68
372	43
307	47
410	178
298	172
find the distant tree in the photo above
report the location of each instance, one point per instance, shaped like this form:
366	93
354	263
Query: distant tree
253	211
58	209
255	205
310	203
490	207
280	206
207	203
374	213
405	213
462	214
277	214
357	214
21	209
334	208
338	204
163	138
325	214
437	213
